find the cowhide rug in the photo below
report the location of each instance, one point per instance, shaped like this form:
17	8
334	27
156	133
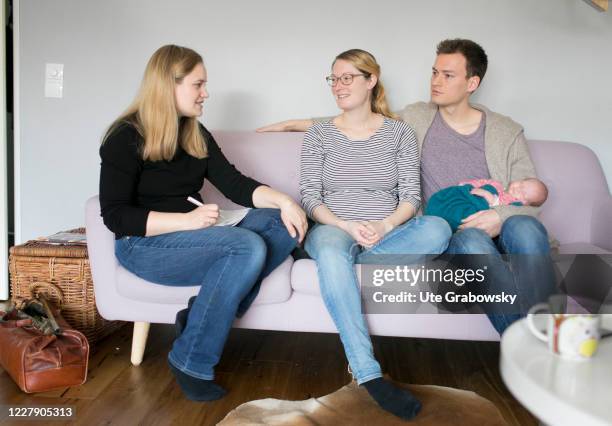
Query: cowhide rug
351	405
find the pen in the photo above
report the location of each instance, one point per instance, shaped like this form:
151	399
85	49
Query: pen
194	201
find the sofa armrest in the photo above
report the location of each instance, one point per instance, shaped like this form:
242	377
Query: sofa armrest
101	250
601	223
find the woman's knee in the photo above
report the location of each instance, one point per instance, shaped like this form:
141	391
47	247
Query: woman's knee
248	244
328	239
264	218
321	234
424	235
247	254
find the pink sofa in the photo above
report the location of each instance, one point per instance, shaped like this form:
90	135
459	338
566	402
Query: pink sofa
578	213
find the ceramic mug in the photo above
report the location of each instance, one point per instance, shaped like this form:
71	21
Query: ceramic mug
572	336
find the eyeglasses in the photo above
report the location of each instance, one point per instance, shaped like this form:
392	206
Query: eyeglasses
346	79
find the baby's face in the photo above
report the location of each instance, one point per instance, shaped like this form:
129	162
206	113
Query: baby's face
527	192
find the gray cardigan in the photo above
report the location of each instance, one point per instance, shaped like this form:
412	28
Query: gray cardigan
505	148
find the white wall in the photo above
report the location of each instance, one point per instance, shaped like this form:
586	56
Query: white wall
550	69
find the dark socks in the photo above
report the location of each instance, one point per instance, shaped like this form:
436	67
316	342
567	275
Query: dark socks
197	389
395	400
194	388
181	317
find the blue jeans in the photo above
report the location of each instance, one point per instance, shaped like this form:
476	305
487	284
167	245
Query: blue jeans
530	274
227	262
336	252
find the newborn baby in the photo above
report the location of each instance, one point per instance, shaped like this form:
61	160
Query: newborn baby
455	203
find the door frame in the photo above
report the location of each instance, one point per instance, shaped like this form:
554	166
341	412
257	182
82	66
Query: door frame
4	288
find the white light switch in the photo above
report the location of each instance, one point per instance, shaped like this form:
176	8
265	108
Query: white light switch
54	80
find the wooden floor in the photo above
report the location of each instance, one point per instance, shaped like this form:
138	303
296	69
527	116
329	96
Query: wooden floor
255	365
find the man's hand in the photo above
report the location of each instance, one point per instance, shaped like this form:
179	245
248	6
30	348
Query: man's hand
287	126
490	198
487	220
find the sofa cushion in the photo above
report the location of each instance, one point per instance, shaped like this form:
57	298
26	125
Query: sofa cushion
304	277
274	289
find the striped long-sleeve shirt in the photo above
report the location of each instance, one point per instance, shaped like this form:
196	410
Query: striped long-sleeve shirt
360	179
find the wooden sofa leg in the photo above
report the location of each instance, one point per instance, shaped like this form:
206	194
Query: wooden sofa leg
139	341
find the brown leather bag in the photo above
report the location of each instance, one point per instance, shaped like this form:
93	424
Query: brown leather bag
40	359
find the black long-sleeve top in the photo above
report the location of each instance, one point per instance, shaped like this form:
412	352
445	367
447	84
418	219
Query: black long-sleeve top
131	187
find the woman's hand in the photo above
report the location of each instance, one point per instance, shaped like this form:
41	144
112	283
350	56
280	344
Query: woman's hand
163	222
293	218
360	232
292	215
378	229
202	217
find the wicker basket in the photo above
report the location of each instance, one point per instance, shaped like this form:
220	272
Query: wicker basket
62	273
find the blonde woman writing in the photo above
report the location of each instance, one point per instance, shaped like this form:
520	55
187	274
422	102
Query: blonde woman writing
155	156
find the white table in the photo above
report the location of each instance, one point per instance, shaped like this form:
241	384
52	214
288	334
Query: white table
555	390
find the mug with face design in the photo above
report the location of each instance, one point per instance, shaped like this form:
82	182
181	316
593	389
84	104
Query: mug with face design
569	335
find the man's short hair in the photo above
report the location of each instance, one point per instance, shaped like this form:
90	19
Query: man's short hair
475	56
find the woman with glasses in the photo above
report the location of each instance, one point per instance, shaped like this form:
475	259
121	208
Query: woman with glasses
359	180
155	156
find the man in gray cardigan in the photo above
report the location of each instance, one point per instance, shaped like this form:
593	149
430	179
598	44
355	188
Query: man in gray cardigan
460	141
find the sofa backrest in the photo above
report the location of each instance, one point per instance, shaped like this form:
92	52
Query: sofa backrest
271	158
575	179
571	171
